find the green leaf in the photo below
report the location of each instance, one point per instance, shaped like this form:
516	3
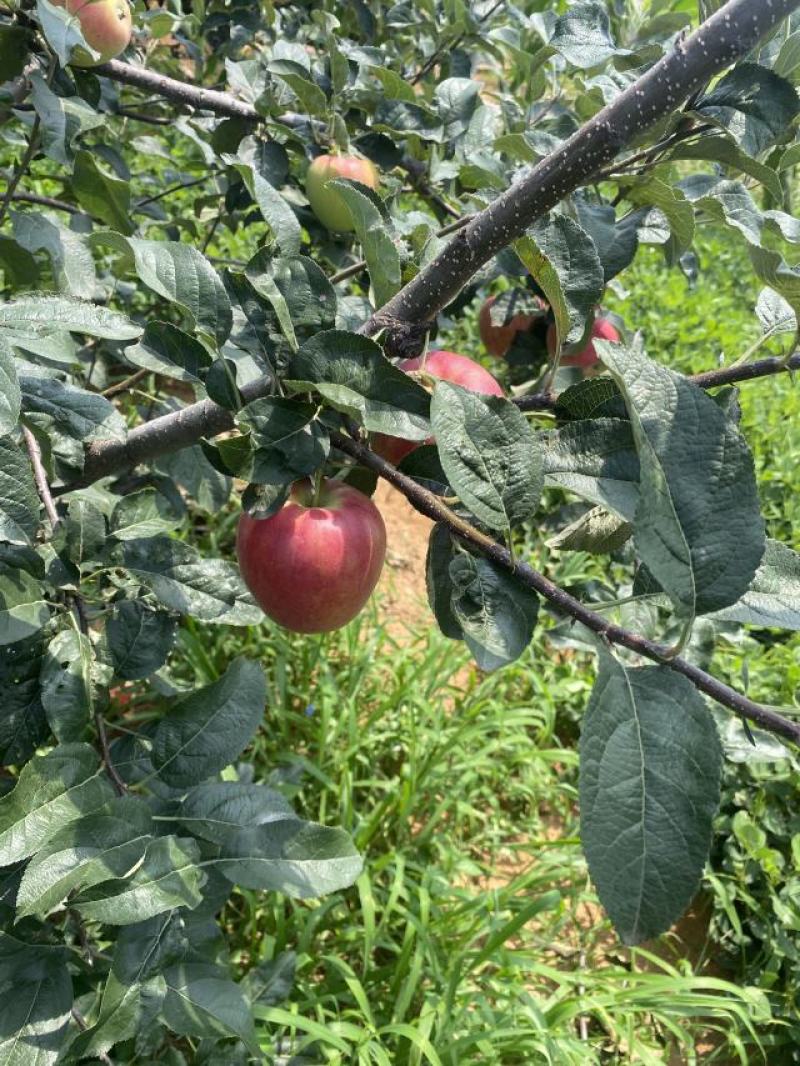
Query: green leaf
698	527
672	203
311	97
100	847
139	639
597	531
302	301
649	788
373	231
207	729
441	553
615	241
583	36
63	119
190	469
289	442
774	313
72	262
166	349
135	988
354	376
19	266
35	1016
216	809
14	47
255	162
84	531
496	613
23	725
209	589
23	610
300	859
202	1000
100	194
76	412
182	275
19	501
563	260
51	791
62	30
67	685
67	313
725	151
489	453
755	105
167	877
773	598
142	514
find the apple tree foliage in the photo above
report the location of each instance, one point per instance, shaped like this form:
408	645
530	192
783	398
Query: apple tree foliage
126	349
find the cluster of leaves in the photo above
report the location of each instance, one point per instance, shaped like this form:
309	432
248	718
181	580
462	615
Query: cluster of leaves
115	858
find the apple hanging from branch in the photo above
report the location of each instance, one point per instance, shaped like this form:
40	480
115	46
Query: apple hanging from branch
497	339
314	564
446	366
326	203
106	26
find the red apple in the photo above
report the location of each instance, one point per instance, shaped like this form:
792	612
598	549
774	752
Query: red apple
312	568
447	366
498	339
587	356
326	203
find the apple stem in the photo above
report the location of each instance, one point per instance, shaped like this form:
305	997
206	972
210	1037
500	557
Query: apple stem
318	478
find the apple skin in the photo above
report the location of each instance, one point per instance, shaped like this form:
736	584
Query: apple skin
312	569
447	366
602	329
326	203
106	25
498	339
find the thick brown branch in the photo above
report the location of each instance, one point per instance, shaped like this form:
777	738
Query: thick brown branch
178	91
729	34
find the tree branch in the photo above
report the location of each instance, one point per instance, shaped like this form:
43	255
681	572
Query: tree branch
727	35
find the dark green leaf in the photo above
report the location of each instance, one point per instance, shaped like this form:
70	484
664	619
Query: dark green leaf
107	844
209	589
374	234
64	118
166	349
19	502
698	527
300	859
583	35
76	412
207	729
496	613
773	598
301	299
51	791
287	439
23	610
139	639
441	553
67	685
34	1019
489	453
142	514
353	375
216	809
202	1000
23	725
649	789
167	877
755	105
256	163
563	260
72	262
101	194
67	313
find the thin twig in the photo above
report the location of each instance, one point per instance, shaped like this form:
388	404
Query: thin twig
47	201
174	188
40	477
127	383
356	268
24	163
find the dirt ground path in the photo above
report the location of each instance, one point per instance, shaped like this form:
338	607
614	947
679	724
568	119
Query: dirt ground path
402	599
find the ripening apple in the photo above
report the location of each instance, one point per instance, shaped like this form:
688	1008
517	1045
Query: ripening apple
602	329
498	339
326	203
447	366
106	25
312	566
